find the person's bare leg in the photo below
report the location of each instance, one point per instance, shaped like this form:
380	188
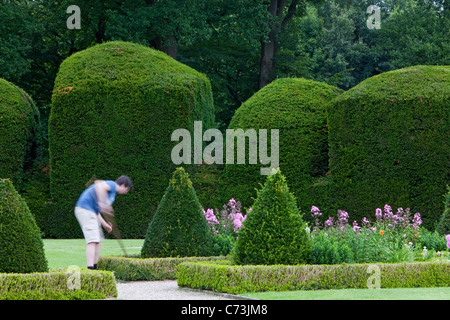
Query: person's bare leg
91	251
97	253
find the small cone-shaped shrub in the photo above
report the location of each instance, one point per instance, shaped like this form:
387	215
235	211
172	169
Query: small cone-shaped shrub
179	228
274	232
444	223
21	246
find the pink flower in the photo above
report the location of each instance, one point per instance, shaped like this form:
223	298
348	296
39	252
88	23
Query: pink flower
315	212
416	221
329	222
237	225
378	213
365	221
447	237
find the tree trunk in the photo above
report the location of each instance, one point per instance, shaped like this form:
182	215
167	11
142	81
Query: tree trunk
269	49
267	62
171	48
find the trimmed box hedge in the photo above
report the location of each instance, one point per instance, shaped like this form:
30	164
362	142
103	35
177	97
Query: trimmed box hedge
223	277
54	285
136	268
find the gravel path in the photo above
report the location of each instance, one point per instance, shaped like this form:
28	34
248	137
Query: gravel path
163	290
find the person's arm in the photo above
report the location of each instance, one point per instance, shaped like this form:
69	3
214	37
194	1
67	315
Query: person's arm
106	225
101	189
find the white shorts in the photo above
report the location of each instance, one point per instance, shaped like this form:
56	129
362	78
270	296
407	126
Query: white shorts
92	229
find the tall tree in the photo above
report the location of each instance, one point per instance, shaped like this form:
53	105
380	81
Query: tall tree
281	12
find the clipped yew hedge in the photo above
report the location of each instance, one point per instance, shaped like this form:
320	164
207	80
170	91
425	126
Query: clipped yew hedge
54	285
223	277
389	143
296	107
19	132
114	108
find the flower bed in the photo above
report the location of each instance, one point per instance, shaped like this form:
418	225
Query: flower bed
390	238
58	284
223	277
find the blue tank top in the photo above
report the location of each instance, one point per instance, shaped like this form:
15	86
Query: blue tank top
88	199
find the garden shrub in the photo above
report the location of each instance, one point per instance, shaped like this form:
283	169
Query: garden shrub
273	232
54	285
444	222
19	132
179	228
388	139
328	250
21	246
148	269
114	108
432	240
223	277
297	108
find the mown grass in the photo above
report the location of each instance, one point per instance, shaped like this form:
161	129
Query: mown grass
356	294
68	252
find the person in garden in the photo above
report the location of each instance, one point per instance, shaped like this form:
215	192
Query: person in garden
96	199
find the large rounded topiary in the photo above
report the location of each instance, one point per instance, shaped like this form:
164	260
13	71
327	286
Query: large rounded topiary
19	132
179	227
297	108
21	246
273	232
114	108
389	143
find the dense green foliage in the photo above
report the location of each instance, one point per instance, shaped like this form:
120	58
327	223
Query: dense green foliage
21	246
178	228
296	107
388	140
114	108
19	132
54	285
324	41
223	277
274	232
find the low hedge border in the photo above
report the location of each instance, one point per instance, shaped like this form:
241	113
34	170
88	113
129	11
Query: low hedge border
57	284
223	277
136	268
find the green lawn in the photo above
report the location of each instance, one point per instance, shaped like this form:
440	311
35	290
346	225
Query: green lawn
64	253
357	294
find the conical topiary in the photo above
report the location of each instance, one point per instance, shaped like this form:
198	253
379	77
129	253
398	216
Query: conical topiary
179	228
443	226
21	246
274	232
